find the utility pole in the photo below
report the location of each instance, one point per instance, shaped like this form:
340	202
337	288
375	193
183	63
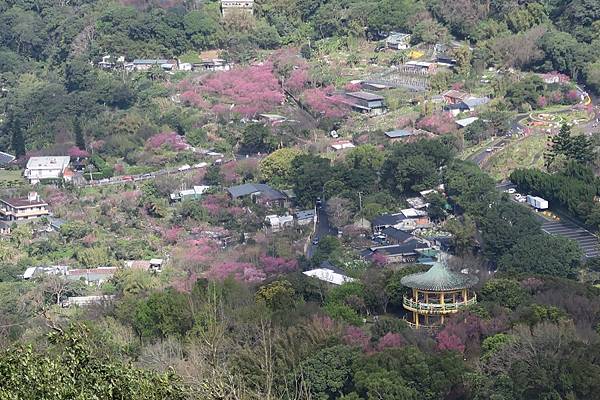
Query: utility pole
360	202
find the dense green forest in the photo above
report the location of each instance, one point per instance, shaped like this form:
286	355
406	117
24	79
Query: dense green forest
46	48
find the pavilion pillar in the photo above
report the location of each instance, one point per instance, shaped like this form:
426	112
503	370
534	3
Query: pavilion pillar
465	295
454	297
426	297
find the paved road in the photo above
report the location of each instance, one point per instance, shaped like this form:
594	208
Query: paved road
588	242
323	229
480	157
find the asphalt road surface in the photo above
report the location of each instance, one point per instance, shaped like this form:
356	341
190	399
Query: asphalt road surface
588	242
323	229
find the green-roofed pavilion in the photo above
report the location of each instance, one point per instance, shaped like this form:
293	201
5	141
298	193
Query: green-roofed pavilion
436	293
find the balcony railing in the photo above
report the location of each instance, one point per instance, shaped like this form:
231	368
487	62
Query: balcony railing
435	308
422	326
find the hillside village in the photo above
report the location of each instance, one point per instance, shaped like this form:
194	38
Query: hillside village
244	199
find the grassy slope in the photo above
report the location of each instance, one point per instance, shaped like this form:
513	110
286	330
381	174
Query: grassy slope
524	153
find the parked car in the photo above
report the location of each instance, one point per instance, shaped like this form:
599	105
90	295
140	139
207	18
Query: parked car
200	165
184	167
315	241
127	178
511	191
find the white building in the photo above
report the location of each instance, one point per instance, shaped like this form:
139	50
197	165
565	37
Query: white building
279	222
23	208
231	6
342	145
328	275
49	167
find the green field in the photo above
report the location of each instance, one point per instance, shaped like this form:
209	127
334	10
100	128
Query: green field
524	153
11	178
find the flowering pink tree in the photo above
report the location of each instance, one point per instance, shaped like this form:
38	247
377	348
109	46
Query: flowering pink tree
379	259
352	87
291	69
230	172
542	101
243	272
89	240
556	97
403	121
76	152
170	140
185	284
215	204
192	98
461	332
390	340
298	80
572	96
245	91
355	336
119	169
325	102
449	341
278	265
171	235
440	123
194	254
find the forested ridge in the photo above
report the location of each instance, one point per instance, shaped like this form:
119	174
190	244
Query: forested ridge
46	47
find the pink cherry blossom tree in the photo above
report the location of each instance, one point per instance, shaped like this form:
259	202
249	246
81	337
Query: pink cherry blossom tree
245	91
440	123
76	152
355	336
449	341
325	102
390	340
172	235
278	265
169	140
243	272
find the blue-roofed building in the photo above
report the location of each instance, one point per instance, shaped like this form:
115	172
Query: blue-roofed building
5	159
55	223
399	134
305	217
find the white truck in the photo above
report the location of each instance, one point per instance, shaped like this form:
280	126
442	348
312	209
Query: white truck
537	202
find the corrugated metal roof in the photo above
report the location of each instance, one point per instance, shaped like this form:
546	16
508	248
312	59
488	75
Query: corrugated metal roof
399	133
